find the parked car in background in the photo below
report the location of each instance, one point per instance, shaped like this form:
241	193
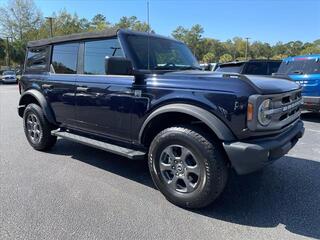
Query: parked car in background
9	77
109	91
251	67
305	70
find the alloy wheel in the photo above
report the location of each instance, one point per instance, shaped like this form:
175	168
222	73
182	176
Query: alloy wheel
34	128
179	168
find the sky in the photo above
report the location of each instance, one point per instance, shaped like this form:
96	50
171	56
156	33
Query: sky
265	20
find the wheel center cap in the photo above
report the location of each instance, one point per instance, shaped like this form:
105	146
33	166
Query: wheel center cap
179	168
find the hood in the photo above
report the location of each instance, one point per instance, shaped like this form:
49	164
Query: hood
231	81
270	85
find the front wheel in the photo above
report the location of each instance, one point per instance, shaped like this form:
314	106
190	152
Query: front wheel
187	167
37	128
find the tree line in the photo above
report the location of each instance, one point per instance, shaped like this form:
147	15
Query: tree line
23	21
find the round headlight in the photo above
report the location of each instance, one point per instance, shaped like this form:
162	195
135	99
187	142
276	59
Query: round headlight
263	118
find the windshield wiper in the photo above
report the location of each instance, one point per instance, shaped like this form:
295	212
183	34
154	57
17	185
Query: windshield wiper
190	68
176	68
163	68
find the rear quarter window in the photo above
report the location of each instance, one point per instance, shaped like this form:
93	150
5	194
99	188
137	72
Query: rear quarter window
37	59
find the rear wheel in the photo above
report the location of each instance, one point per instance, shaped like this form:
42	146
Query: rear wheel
189	168
37	128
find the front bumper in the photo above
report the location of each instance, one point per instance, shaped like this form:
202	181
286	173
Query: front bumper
250	156
311	103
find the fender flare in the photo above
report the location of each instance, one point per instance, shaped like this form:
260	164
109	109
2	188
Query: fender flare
213	122
41	100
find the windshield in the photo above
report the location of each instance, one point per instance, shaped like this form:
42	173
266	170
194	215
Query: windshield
308	66
165	54
8	73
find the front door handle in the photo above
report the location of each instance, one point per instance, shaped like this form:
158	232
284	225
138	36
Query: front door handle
82	89
47	86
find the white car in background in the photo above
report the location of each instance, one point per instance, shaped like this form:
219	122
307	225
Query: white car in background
9	77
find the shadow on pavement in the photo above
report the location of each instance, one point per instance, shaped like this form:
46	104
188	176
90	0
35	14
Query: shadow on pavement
136	170
311	117
287	193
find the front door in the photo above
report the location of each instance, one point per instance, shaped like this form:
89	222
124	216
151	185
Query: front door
103	103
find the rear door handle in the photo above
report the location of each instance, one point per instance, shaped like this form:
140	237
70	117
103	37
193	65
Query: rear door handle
82	89
47	86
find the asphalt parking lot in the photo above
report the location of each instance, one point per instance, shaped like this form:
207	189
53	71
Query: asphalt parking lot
77	192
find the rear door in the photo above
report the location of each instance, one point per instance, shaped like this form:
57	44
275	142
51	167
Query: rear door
60	84
103	102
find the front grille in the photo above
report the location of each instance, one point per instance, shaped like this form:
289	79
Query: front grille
285	109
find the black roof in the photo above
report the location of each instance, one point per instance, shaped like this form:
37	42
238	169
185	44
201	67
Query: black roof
91	35
73	37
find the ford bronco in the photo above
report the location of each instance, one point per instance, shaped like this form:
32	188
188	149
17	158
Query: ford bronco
142	95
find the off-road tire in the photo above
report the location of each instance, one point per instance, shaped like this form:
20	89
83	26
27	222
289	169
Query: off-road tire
209	154
45	140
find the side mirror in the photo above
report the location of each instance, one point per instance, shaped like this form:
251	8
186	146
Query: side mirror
118	66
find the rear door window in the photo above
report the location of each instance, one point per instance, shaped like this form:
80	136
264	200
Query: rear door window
256	68
37	59
64	58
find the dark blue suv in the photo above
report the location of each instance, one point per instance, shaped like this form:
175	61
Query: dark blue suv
143	95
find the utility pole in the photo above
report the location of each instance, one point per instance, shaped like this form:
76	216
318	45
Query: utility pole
247	45
148	15
148	22
51	23
8	52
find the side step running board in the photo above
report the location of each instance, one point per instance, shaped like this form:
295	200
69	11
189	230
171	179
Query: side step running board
125	152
